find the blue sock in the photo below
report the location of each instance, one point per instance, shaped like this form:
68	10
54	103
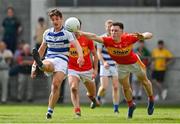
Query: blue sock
98	98
116	107
50	110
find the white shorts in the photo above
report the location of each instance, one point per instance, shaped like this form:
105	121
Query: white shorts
82	75
111	71
59	65
137	68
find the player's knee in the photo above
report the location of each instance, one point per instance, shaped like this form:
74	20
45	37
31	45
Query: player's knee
126	88
55	87
48	66
103	89
144	80
115	88
121	81
147	82
73	89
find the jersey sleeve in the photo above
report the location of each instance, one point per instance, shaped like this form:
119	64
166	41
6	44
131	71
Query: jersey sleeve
107	40
153	53
44	35
99	45
169	54
131	39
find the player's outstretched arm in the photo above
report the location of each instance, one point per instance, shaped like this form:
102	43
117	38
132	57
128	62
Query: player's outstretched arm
91	36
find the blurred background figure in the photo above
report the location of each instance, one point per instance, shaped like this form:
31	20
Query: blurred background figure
161	59
11	29
25	83
14	70
144	55
40	28
19	49
5	60
108	70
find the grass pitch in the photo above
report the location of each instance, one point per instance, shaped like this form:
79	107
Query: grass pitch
64	114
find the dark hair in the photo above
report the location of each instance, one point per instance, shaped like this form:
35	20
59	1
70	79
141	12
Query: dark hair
55	12
121	26
10	8
160	42
80	21
41	19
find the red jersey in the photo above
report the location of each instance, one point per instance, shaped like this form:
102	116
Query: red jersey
87	46
122	52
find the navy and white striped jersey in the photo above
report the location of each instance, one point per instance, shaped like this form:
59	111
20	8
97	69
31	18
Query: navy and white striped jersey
58	43
105	54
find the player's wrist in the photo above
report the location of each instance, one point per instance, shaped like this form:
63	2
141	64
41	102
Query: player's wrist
80	57
95	69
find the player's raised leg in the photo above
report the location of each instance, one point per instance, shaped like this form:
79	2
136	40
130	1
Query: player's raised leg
44	65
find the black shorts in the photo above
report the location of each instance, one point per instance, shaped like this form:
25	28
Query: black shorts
158	75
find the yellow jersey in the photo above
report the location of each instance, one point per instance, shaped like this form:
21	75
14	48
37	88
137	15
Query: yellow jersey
160	57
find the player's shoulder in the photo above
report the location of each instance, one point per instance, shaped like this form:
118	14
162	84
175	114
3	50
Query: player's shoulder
165	49
126	35
47	31
155	50
82	37
86	39
66	31
129	37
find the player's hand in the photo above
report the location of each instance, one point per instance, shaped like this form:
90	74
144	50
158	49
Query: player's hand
106	65
80	61
78	32
138	35
33	71
147	35
94	73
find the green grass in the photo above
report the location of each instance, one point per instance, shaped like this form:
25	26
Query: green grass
64	114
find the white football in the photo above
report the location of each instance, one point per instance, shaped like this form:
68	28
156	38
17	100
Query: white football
72	24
